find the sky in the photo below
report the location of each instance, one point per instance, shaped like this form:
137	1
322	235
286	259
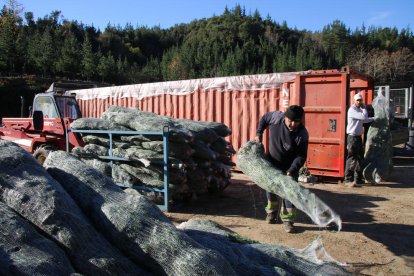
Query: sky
301	14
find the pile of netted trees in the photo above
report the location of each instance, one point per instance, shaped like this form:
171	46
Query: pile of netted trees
378	149
67	217
199	155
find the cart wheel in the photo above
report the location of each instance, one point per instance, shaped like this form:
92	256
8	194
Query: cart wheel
42	152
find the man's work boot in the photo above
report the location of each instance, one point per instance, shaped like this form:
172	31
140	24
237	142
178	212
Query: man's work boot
271	218
288	225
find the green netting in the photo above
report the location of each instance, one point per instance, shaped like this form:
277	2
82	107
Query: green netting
28	189
24	251
134	223
251	160
94	123
194	147
252	258
378	147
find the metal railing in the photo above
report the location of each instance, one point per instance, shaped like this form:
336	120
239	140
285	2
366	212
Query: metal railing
164	133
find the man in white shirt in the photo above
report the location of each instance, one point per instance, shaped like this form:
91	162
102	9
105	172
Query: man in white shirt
357	116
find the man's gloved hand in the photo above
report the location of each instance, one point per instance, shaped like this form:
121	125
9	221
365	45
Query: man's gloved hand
258	139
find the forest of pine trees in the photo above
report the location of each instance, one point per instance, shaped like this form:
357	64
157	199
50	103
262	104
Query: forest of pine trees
233	43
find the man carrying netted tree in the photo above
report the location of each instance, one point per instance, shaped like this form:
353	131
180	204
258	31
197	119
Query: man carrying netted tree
288	147
357	116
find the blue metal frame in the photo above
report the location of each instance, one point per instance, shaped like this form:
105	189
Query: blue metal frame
164	133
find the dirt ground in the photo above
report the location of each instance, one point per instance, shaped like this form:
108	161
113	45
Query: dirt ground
377	235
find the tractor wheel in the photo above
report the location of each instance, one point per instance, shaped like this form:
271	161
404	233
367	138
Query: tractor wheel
42	152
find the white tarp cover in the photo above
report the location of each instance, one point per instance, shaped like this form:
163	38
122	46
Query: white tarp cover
184	87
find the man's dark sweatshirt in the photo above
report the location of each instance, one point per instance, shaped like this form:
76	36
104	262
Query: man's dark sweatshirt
287	149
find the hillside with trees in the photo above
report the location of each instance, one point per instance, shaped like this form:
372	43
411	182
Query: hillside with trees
233	43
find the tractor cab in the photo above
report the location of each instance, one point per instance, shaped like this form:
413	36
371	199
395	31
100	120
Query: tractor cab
48	127
56	106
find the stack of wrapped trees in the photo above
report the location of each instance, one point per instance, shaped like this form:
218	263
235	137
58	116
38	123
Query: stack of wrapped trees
67	218
378	149
199	155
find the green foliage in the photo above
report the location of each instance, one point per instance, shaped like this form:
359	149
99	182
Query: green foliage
234	237
88	61
68	61
41	53
106	67
10	24
234	43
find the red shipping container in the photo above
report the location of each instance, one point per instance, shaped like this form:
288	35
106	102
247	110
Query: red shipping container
240	101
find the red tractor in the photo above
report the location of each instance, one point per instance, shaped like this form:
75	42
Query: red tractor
45	130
